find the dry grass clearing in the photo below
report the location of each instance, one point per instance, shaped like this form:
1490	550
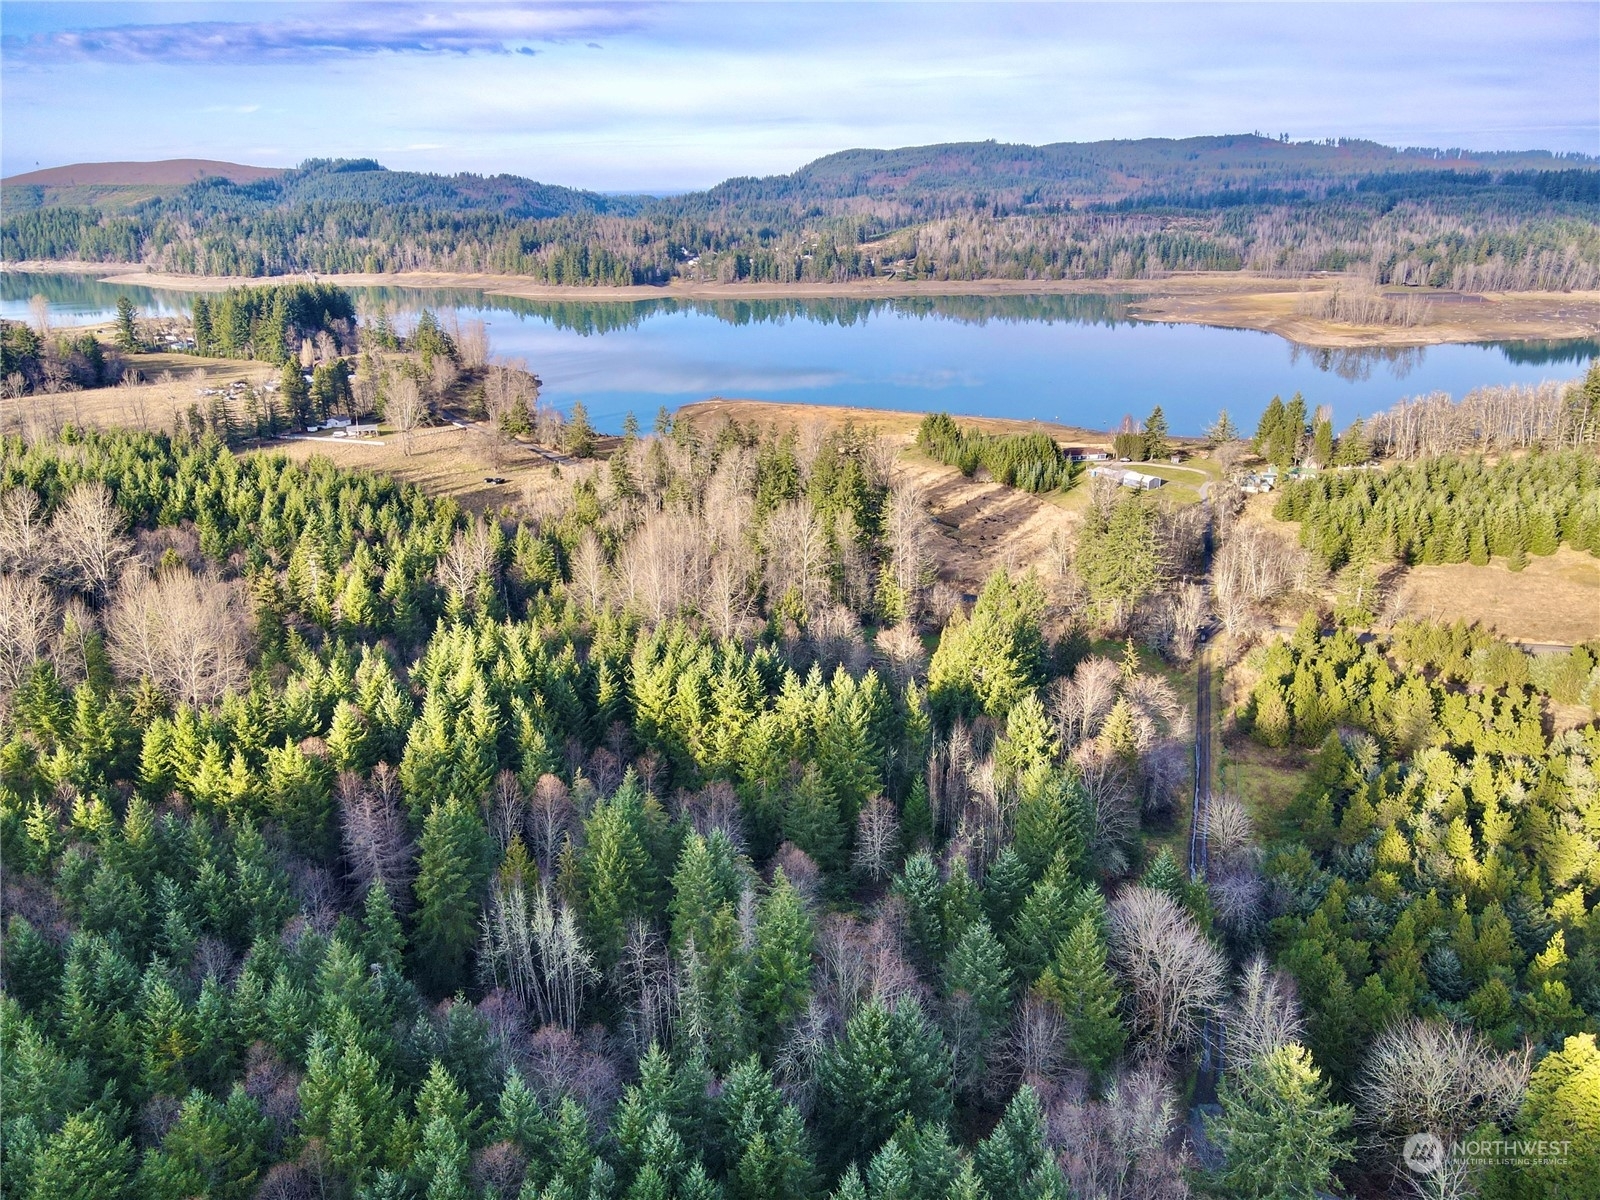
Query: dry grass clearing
1555	600
157	403
445	461
709	413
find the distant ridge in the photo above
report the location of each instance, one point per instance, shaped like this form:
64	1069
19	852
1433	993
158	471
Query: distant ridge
166	172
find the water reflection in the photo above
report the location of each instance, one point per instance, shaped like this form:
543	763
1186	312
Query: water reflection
1079	359
1355	363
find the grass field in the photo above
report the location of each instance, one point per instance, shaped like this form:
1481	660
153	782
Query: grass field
1554	600
1265	780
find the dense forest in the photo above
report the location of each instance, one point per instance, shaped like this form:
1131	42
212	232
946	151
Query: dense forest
639	848
1440	864
1120	210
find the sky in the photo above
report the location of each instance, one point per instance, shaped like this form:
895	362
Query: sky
660	97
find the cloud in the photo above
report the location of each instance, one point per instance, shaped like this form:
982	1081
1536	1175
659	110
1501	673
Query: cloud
936	380
354	30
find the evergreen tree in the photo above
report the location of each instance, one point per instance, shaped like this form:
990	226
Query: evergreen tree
1222	430
919	888
127	325
1083	988
977	986
1353	448
988	663
292	387
453	868
1269	430
1014	1160
1562	1105
1322	441
213	1150
1278	1133
577	436
83	1160
1155	434
1119	559
888	1065
780	960
812	821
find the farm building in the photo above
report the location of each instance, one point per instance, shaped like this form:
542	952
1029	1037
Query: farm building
1127	478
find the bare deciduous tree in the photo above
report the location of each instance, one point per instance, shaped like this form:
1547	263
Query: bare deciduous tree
87	539
1080	704
532	949
550	819
664	564
1188	616
1121	1147
27	620
728	603
860	962
1175	975
1239	899
39	309
902	653
1439	1077
507	809
797	555
589	570
470	559
443	378
376	844
1254	567
645	983
1110	807
907	536
405	407
1229	828
1033	1050
184	632
472	343
23	532
877	839
1263	1016
510	393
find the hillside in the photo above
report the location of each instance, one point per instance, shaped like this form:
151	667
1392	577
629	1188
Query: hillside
968	211
1018	177
164	172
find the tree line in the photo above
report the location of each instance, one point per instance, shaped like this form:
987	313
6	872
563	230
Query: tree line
1450	510
1030	461
1060	218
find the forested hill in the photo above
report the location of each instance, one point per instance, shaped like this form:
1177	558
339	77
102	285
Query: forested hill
336	181
1011	178
1120	210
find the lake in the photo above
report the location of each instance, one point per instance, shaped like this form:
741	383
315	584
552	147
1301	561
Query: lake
1077	359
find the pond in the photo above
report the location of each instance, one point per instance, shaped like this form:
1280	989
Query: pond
1078	359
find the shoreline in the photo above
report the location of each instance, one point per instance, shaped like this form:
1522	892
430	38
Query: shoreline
1233	300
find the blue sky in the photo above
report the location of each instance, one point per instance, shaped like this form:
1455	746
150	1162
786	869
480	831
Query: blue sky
664	96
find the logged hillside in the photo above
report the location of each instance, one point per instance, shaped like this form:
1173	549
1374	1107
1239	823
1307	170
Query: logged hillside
1104	210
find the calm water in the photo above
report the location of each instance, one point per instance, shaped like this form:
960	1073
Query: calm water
1077	359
